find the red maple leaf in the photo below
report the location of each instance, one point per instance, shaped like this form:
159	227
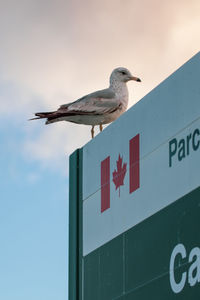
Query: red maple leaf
119	174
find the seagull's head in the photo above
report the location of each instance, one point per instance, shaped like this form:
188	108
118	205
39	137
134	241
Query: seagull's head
122	75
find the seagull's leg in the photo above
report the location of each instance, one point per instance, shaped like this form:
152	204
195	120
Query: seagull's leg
92	132
101	127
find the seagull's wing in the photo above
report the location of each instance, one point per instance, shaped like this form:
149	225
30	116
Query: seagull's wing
99	102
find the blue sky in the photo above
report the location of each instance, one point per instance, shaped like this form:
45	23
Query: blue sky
34	223
52	53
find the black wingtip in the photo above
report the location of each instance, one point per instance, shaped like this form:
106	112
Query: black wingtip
33	119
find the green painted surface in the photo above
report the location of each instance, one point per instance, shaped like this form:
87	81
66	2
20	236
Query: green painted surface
99	267
92	276
80	222
135	265
75	225
73	228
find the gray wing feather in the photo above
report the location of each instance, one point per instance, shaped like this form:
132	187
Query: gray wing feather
99	102
106	94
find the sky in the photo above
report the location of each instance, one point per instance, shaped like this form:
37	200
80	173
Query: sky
53	52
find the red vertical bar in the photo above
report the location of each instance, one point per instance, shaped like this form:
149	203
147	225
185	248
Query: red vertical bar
105	184
134	163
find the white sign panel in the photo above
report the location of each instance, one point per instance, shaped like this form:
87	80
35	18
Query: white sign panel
145	160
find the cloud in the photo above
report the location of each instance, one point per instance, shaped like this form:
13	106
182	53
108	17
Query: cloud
53	144
53	52
16	100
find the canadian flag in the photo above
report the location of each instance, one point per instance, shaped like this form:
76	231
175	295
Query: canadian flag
119	174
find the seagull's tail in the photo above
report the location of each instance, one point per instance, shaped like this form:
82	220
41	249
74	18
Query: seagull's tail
53	116
43	115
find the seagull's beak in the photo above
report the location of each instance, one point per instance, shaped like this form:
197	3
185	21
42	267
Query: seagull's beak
135	78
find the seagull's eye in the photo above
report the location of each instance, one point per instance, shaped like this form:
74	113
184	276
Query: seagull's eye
123	73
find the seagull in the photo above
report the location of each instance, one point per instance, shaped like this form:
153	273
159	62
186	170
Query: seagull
98	108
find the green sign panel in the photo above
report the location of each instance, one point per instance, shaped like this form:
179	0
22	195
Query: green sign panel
157	259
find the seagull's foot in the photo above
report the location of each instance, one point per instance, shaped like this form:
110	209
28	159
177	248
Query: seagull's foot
92	132
101	127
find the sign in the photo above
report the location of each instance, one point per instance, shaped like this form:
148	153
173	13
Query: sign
139	198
